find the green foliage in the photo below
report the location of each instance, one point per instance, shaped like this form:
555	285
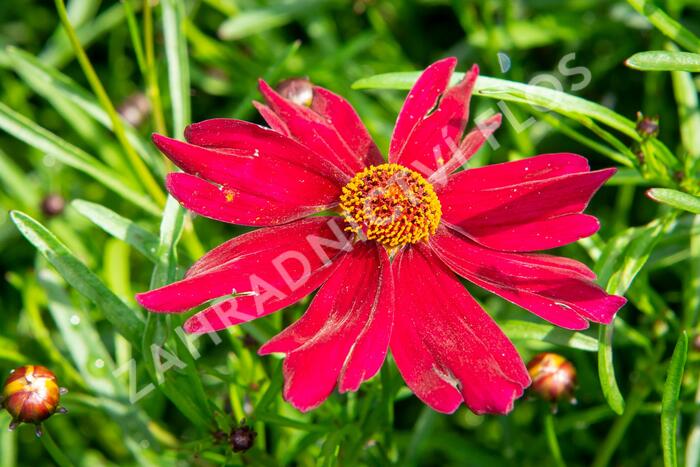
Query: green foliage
143	393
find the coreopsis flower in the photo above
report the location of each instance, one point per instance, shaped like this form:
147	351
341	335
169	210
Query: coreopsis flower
385	242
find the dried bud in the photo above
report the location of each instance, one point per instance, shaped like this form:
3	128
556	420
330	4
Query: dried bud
298	90
31	395
647	127
553	377
135	109
242	438
53	205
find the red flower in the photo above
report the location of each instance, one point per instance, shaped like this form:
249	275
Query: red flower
387	269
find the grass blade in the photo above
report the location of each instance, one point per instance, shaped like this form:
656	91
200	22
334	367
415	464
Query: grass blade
676	199
670	403
525	330
178	63
667	25
124	319
662	60
26	130
119	227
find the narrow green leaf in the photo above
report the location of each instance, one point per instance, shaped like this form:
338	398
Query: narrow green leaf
675	198
26	130
525	330
513	91
670	403
606	370
178	63
81	338
667	25
125	320
50	82
661	60
620	262
119	227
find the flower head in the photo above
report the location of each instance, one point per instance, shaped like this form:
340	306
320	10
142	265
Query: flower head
387	263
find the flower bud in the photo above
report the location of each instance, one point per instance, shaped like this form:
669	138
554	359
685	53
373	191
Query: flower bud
242	438
31	395
553	377
647	127
53	205
298	90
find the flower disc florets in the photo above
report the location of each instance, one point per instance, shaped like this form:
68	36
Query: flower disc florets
390	204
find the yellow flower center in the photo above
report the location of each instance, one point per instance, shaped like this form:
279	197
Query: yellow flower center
390	204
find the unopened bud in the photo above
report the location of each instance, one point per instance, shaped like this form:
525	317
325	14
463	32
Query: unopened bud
647	127
31	395
53	205
298	90
553	377
242	438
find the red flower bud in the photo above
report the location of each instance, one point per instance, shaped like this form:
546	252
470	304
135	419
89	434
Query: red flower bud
31	395
553	377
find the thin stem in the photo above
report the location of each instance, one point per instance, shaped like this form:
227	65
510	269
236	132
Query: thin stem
141	171
54	451
551	435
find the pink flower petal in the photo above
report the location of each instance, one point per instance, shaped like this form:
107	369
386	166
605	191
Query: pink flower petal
265	178
533	214
272	119
337	134
467	148
437	135
341	116
559	290
540	167
446	347
420	100
236	207
270	265
344	335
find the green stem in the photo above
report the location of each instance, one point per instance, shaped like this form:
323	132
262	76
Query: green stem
54	451
137	164
551	435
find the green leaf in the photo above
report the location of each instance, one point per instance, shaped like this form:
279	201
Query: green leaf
667	25
670	402
606	370
661	60
178	63
119	227
124	319
525	330
621	260
513	91
50	82
676	199
26	130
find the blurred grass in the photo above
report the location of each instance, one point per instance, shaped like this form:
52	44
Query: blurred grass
58	139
